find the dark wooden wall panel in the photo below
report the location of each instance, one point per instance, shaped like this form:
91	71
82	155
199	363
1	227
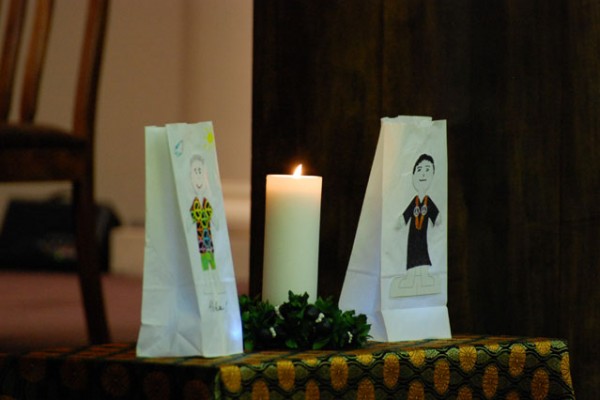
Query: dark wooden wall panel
532	105
518	82
315	99
580	195
428	72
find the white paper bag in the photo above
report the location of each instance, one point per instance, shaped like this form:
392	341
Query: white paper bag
189	305
397	274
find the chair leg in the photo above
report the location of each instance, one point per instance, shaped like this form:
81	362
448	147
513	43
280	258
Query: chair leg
88	264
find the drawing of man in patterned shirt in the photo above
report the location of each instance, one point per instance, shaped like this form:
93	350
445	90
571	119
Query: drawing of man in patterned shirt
202	213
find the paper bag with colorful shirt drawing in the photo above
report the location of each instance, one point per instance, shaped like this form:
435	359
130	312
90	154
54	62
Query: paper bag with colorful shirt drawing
190	305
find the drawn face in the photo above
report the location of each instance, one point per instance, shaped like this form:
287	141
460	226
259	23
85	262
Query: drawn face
423	176
197	175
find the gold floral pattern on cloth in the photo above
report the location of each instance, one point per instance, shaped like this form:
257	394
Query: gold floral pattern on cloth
366	390
516	360
232	378
540	384
339	373
465	368
441	376
490	381
493	347
512	396
467	356
417	357
465	393
416	391
565	369
543	347
365	359
312	390
286	374
260	390
311	361
391	370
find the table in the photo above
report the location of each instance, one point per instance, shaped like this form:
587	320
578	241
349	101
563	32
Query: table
465	367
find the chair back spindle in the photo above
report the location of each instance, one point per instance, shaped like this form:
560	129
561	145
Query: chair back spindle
84	115
35	59
14	22
89	64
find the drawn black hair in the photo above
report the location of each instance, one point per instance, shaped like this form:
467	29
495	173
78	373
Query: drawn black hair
196	157
424	157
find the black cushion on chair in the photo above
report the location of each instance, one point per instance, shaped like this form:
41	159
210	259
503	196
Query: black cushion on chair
26	136
39	235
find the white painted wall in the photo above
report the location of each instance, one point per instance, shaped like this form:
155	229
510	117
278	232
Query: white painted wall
165	61
173	61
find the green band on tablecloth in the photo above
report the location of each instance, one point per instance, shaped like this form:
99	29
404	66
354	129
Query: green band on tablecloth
465	367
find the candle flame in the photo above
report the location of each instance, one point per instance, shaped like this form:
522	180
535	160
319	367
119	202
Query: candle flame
298	171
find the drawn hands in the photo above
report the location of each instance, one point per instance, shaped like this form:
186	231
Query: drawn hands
400	222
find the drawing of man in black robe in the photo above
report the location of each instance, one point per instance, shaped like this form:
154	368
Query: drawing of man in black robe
419	212
417	215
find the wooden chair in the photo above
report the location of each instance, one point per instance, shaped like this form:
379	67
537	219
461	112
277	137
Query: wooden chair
33	151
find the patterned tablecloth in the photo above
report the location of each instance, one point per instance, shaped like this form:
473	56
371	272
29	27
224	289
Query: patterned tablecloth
465	367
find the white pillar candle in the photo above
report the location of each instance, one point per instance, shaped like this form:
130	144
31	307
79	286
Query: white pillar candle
291	252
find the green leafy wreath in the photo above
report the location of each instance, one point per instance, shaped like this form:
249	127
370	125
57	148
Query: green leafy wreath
296	324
